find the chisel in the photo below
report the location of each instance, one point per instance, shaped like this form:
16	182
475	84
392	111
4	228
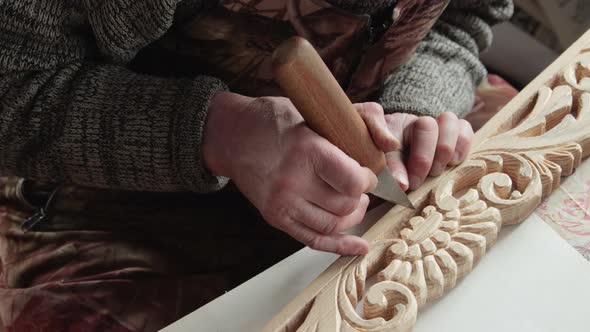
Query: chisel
306	80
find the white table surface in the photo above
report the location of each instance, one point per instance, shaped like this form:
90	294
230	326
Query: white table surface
531	280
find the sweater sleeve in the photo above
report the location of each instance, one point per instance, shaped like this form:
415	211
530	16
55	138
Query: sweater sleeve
104	126
71	114
445	70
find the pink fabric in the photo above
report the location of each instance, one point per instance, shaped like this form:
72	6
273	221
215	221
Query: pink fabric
129	277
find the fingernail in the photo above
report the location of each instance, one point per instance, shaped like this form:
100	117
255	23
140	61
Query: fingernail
361	250
437	168
402	179
415	182
456	158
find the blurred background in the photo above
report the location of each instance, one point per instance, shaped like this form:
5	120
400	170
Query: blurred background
538	32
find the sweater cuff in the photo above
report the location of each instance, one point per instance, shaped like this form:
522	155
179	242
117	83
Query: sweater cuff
189	131
433	82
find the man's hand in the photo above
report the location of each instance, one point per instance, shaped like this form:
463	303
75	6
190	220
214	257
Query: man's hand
304	185
300	182
423	145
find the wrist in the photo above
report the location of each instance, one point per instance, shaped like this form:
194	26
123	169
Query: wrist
224	109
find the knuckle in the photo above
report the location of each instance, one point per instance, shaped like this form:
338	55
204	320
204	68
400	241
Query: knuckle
325	158
275	212
268	100
368	108
341	248
386	143
277	109
426	123
392	119
284	100
284	185
444	150
330	227
264	103
303	237
314	242
307	239
447	116
306	145
421	161
278	209
353	186
373	108
264	100
346	207
395	118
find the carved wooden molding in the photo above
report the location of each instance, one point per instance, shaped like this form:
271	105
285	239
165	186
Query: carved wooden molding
517	159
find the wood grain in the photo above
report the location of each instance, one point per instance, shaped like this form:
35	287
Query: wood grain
517	159
312	88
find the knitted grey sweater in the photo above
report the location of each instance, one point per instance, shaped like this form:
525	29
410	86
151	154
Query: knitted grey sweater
71	111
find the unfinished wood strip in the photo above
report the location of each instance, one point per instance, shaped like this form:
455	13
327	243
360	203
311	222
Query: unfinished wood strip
517	159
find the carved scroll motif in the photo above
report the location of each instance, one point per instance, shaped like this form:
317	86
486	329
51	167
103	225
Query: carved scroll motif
501	183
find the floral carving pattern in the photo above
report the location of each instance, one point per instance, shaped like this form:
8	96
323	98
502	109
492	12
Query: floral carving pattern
501	183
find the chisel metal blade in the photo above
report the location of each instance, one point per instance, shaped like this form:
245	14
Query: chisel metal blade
389	190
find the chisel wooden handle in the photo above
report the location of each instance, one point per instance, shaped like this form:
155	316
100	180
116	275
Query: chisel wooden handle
307	81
